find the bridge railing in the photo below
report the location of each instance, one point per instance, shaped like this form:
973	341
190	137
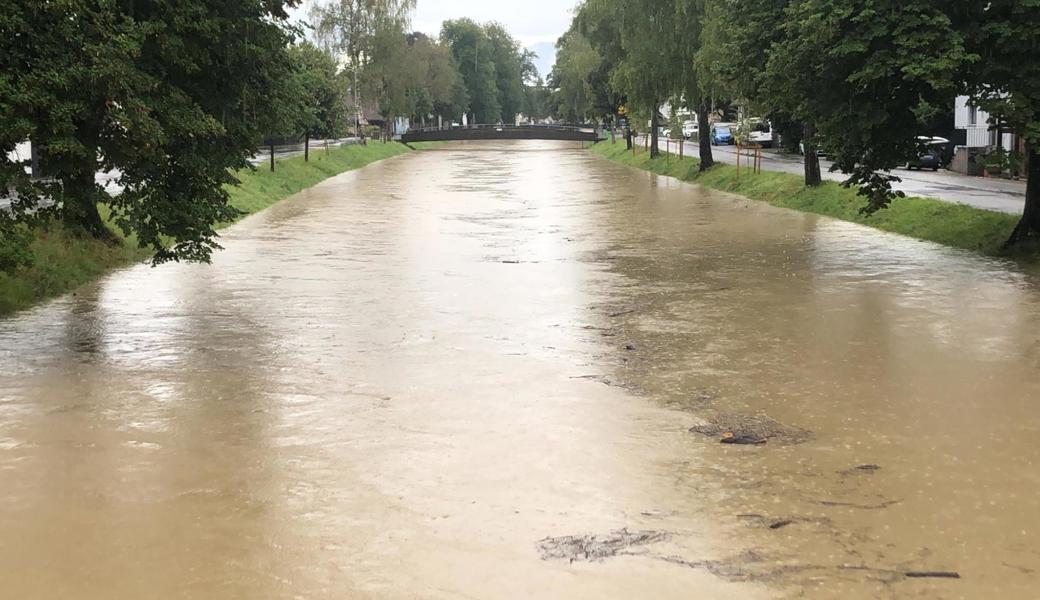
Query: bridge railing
503	127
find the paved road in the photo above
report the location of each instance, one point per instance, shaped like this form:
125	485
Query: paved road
999	195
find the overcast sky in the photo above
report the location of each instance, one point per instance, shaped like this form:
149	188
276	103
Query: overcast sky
536	23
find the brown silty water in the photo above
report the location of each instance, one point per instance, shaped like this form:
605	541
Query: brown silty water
473	372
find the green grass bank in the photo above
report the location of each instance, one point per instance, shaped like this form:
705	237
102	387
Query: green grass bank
954	225
63	261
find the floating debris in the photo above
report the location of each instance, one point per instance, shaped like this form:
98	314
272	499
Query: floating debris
878	506
734	428
746	440
597	547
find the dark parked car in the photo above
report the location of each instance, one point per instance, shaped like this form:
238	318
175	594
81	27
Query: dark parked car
930	155
929	159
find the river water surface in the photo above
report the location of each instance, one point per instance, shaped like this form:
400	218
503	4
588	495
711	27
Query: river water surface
472	372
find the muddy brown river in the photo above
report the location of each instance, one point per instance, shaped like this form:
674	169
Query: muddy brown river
472	372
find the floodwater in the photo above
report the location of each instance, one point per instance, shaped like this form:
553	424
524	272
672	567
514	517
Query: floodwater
472	372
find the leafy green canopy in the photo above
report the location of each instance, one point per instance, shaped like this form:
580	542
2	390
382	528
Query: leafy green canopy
867	74
585	58
173	95
493	68
361	31
1005	82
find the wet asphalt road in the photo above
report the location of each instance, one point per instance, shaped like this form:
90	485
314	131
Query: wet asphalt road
998	195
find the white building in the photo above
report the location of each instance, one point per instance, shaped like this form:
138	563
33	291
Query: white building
979	137
976	123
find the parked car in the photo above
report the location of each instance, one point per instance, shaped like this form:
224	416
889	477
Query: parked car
721	134
690	130
761	133
930	155
929	159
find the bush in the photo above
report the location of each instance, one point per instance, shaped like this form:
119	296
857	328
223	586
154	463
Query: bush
14	247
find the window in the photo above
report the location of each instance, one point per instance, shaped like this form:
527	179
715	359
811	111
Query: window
973	116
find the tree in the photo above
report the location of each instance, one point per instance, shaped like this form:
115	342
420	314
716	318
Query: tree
352	27
173	95
388	76
866	74
509	71
493	68
537	99
576	62
734	53
695	80
650	69
323	91
472	53
437	88
597	23
1005	82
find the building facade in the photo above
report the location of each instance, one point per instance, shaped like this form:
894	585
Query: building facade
979	137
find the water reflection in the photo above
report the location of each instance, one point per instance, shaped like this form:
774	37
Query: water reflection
399	382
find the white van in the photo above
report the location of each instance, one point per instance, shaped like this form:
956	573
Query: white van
761	132
690	130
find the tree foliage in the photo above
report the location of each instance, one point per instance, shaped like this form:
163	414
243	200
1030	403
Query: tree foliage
637	53
866	74
1004	81
493	66
358	30
577	63
172	95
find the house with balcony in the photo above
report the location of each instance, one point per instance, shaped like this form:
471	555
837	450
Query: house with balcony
975	137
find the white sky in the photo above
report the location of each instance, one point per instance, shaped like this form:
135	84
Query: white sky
536	23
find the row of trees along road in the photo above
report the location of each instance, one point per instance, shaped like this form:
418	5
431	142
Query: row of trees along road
177	96
859	77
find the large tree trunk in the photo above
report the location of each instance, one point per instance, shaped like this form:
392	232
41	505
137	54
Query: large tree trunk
811	160
1027	232
79	207
704	137
655	150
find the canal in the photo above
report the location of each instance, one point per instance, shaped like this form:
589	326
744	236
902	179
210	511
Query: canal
504	370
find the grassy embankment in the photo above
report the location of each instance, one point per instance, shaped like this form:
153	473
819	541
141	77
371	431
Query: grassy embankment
63	261
954	225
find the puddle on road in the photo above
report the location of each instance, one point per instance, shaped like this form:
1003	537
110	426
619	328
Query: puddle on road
510	373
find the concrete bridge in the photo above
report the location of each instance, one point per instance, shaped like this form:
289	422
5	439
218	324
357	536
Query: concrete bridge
502	132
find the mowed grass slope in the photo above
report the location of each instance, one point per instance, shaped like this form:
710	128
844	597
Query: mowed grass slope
64	261
954	225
